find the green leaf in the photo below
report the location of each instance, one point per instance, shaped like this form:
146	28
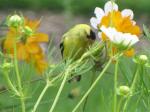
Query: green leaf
146	32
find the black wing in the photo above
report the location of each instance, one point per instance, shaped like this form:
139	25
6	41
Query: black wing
61	48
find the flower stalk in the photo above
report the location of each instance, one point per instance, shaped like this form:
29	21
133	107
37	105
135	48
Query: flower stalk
115	86
18	76
40	97
11	86
59	91
92	86
48	84
132	89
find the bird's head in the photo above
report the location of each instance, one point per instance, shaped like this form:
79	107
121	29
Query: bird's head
85	29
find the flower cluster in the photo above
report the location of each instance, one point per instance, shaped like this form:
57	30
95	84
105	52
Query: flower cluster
116	27
23	35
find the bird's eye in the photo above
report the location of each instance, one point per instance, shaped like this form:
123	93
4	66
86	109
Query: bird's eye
92	35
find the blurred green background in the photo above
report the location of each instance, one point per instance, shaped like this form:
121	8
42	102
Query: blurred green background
83	7
55	24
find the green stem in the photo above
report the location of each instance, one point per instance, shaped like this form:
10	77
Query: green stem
59	92
16	68
48	84
92	86
86	100
132	89
40	97
22	103
119	104
115	86
10	84
18	78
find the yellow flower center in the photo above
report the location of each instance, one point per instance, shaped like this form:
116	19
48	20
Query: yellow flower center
122	24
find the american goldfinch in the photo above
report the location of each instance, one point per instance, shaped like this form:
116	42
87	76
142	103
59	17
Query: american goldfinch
76	41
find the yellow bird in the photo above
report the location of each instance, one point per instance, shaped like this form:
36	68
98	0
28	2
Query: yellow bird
76	41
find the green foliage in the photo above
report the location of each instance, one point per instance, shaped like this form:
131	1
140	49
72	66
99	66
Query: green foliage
146	32
87	7
99	99
97	85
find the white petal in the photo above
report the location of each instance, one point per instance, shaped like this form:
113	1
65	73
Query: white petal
94	22
116	37
107	32
100	35
109	6
127	12
133	22
130	39
99	13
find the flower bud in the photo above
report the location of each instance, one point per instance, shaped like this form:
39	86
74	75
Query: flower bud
124	91
6	66
143	59
14	21
28	31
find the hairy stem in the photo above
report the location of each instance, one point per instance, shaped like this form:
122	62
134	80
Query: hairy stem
40	97
48	84
119	104
86	100
18	77
92	86
11	86
59	92
115	86
132	89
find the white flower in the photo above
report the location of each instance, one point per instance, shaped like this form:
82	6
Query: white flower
109	6
126	39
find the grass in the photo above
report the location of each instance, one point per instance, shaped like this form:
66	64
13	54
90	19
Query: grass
101	98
